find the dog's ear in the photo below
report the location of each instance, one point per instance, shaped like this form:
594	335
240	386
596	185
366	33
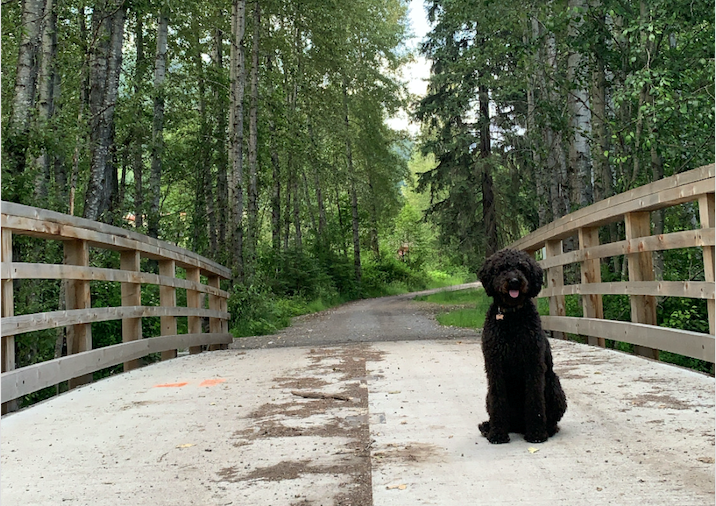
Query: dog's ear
535	278
485	276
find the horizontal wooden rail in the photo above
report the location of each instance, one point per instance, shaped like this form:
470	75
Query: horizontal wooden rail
14	325
25	220
692	289
687	239
76	313
21	270
685	187
633	208
35	377
683	342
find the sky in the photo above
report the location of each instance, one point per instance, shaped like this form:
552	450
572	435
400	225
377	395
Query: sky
417	72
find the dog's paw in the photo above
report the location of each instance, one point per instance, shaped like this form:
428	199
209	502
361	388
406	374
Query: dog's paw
484	428
551	431
536	437
497	438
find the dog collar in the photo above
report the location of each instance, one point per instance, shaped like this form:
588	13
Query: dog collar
501	312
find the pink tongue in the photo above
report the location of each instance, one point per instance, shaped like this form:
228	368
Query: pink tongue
514	293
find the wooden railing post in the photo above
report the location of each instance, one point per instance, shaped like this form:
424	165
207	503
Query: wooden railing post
193	299
168	298
215	325
706	213
555	279
641	268
8	309
591	273
79	337
131	296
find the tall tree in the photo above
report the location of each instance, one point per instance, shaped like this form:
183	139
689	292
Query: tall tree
105	63
160	72
236	137
16	137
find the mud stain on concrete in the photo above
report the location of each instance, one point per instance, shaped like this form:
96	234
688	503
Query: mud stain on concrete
330	371
414	452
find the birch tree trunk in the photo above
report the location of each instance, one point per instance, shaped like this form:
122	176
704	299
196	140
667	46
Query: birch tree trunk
236	137
222	187
202	179
155	177
556	161
137	151
580	117
253	209
105	66
374	240
539	176
16	138
275	175
489	212
275	191
46	82
353	191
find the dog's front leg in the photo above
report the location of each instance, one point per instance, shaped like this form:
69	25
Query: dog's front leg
497	428
535	409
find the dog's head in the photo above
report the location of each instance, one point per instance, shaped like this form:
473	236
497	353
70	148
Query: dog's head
511	277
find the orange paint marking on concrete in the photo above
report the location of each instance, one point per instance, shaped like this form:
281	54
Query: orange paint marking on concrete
172	385
211	382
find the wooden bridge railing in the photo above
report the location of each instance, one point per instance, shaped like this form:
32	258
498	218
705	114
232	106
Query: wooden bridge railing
78	235
634	208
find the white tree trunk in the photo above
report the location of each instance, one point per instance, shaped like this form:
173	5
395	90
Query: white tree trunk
160	73
236	134
105	66
253	209
46	89
16	138
580	116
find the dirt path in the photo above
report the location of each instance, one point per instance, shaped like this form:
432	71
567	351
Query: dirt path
397	318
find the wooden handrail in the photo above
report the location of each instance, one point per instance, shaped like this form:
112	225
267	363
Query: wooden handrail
634	208
78	234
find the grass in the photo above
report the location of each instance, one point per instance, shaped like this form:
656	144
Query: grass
469	317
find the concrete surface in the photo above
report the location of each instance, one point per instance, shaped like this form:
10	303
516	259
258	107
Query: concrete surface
234	428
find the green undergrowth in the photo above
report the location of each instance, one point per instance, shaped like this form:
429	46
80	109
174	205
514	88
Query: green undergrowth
475	303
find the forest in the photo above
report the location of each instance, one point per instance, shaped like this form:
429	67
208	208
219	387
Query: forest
254	133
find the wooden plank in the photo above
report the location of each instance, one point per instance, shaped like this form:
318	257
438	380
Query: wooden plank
591	273
21	270
45	222
691	289
35	377
168	299
131	296
675	240
555	280
39	321
79	334
683	342
684	187
193	300
8	310
641	268
706	214
215	326
225	319
44	230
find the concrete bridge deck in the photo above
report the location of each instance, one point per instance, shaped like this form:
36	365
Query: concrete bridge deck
384	423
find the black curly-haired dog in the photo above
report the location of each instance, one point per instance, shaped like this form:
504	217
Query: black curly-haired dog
523	392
